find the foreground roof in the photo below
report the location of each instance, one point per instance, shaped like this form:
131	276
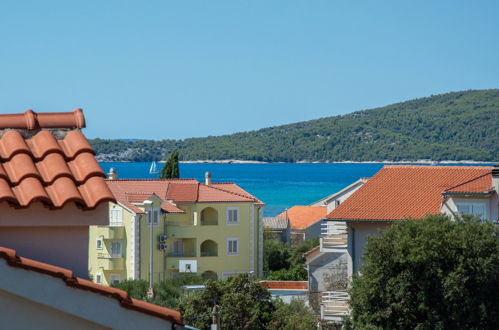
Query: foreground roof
172	191
398	192
285	285
300	217
275	222
45	158
77	283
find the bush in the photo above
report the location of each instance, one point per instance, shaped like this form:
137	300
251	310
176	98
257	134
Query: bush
433	273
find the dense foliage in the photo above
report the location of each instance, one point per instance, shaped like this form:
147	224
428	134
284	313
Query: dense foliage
284	262
245	304
429	274
170	168
167	293
453	126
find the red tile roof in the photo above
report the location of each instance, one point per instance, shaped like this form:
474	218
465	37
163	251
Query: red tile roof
285	285
78	283
175	191
398	192
45	158
480	184
300	217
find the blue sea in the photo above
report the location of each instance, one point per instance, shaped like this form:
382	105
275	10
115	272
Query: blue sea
280	186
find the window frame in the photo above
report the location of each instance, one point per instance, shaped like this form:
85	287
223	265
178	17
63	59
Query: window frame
116	255
112	212
98	278
470	206
227	216
113	277
228	246
156	215
101	240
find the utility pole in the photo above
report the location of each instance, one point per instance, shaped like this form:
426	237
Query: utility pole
215	318
149	211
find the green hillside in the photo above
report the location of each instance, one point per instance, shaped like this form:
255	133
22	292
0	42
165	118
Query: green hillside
452	126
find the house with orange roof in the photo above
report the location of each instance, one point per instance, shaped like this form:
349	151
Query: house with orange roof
51	188
305	221
159	229
399	192
37	295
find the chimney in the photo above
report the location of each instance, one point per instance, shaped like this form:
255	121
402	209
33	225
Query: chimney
207	178
112	175
495	178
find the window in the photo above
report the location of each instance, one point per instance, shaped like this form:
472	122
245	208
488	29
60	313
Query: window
99	243
232	246
337	202
98	278
154	215
177	248
115	278
116	216
116	249
478	209
232	215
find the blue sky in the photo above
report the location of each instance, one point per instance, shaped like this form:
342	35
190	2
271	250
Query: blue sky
178	69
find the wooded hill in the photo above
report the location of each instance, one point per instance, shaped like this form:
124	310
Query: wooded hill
453	126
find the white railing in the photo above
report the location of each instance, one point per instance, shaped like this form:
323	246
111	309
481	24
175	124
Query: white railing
334	305
334	234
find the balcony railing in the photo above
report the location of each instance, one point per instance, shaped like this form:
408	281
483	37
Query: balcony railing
110	261
111	232
208	254
334	305
181	254
334	235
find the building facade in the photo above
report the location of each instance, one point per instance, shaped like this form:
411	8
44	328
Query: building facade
211	229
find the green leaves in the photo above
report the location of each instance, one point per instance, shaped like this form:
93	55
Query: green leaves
430	273
170	168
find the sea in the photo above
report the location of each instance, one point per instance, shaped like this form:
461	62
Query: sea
278	185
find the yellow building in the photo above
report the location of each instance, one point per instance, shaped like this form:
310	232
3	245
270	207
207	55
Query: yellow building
212	229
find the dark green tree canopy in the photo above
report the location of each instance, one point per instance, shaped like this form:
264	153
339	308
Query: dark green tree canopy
170	169
433	273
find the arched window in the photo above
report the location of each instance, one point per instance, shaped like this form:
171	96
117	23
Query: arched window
209	275
209	249
209	217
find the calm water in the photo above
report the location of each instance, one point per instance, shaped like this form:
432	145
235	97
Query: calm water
279	185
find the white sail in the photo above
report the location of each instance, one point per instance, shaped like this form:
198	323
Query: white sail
153	169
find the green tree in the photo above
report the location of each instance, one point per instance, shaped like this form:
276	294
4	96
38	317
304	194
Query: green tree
433	273
245	304
292	316
170	168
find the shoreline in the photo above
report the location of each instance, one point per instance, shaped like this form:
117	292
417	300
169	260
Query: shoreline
238	161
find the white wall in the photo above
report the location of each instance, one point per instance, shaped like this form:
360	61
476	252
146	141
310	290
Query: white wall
54	305
362	230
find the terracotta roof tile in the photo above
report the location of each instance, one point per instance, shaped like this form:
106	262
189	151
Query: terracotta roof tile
174	191
300	217
398	192
78	283
181	192
285	285
480	184
30	120
51	166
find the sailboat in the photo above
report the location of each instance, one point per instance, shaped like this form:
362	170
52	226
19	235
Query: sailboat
153	169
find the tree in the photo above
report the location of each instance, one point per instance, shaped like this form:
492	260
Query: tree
293	316
433	273
245	304
170	168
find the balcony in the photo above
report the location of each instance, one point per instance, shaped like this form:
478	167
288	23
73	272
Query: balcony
111	232
110	262
334	305
334	237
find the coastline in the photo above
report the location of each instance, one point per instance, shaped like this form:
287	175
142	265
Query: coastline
238	161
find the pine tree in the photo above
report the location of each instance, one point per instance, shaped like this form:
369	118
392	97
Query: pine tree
170	169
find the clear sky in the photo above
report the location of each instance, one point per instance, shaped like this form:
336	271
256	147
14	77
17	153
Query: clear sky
178	69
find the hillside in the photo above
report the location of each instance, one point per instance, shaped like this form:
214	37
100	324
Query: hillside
453	126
